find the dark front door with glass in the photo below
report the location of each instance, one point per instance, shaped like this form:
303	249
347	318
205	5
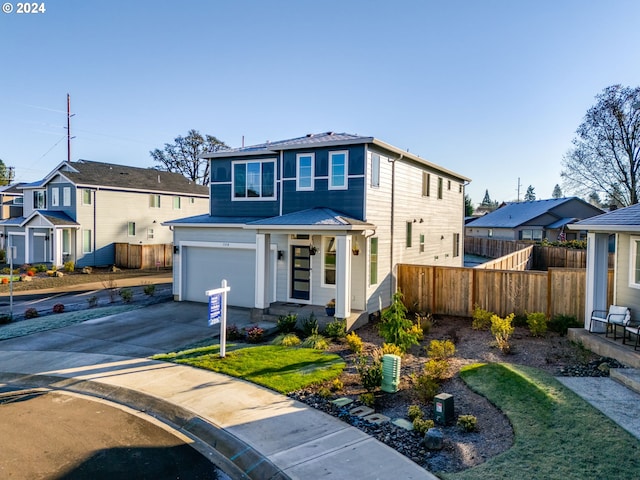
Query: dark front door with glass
300	272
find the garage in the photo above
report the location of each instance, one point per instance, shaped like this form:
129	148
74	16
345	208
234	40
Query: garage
203	268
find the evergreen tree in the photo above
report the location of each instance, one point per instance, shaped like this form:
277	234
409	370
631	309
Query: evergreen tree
557	192
530	196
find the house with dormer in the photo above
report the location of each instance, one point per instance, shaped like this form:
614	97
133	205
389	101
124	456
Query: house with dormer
315	218
81	209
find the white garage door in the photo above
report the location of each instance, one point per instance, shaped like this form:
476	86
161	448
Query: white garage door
204	268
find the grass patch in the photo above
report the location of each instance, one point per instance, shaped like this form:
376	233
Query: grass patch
558	435
282	369
59	320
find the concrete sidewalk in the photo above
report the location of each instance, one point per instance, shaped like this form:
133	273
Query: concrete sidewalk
264	434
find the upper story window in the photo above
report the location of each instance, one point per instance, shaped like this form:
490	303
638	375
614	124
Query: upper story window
86	196
40	199
409	234
55	197
154	201
375	170
426	184
254	179
634	261
66	196
177	203
304	171
440	188
456	244
338	169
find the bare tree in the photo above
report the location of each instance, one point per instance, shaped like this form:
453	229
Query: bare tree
183	156
605	157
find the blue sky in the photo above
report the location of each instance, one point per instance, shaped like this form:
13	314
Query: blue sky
492	89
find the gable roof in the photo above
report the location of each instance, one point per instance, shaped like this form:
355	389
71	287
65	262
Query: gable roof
512	215
326	139
623	219
53	217
86	173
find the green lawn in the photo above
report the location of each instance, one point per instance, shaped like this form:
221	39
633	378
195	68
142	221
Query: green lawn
558	435
283	369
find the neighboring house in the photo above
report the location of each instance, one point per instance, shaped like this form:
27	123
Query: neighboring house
82	208
316	218
624	224
535	220
11	201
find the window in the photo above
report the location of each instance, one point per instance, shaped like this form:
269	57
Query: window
409	230
375	170
86	196
66	196
456	244
131	229
66	242
86	241
634	267
304	171
426	184
55	197
373	260
490	233
439	188
329	260
18	201
154	201
422	243
192	200
39	199
448	184
338	169
460	188
177	203
150	233
254	180
531	234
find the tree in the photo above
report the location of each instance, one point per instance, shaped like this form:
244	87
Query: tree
5	174
486	201
530	196
468	206
594	199
605	157
183	156
557	192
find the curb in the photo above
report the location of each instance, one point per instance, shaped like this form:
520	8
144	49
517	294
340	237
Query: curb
232	455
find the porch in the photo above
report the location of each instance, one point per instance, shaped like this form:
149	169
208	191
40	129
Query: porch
356	318
606	346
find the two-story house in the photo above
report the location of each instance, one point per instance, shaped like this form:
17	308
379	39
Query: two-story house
81	209
321	217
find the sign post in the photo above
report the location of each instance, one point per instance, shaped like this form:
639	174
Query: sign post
218	312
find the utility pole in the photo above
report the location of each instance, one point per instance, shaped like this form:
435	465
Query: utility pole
518	189
69	137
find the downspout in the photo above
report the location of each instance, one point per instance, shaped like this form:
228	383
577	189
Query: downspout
394	280
280	182
95	226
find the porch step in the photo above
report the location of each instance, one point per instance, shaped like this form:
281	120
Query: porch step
278	309
629	377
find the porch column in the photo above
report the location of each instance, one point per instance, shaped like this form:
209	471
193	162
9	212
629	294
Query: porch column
597	276
343	276
55	246
263	270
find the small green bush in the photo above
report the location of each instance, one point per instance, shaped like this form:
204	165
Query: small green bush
519	320
481	318
324	392
441	349
3	256
69	266
537	323
369	399
336	385
391	349
370	373
31	313
315	341
234	333
436	369
336	329
425	387
422	426
309	325
286	340
287	323
501	329
354	342
414	411
126	294
149	290
468	423
561	323
41	268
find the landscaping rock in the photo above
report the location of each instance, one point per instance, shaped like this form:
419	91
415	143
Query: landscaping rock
87	270
433	439
26	278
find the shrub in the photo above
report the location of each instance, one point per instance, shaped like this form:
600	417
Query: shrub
92	301
354	342
537	322
149	289
254	334
31	272
41	268
369	399
425	320
287	323
561	323
370	373
5	318
126	294
5	271
481	318
395	327
31	313
441	349
436	369
422	426
3	256
501	329
287	340
5	280
324	392
310	325
336	385
390	348
69	266
58	308
315	341
336	329
425	387
468	423
234	333
414	411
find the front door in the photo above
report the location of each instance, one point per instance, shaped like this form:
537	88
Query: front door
300	272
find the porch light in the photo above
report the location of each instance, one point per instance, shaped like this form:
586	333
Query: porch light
280	254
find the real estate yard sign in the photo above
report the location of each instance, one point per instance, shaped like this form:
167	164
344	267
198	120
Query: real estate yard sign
218	312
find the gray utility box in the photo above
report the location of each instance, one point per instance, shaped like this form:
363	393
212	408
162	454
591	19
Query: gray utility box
443	408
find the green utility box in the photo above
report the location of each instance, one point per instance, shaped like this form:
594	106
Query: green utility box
443	408
390	373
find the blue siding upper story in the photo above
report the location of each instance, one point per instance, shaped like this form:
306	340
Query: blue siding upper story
349	201
68	209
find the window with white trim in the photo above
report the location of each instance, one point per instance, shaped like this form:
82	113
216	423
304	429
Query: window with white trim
409	234
375	170
426	184
329	260
634	263
66	196
40	199
131	229
86	241
338	170
86	196
440	181
177	203
373	260
66	241
55	197
305	164
254	180
154	200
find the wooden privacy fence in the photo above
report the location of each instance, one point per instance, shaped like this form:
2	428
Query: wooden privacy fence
131	255
456	290
518	260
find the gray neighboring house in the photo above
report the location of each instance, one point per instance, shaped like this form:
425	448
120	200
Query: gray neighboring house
535	220
81	209
624	224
